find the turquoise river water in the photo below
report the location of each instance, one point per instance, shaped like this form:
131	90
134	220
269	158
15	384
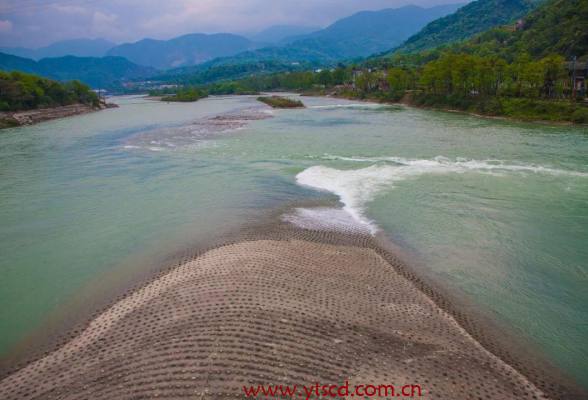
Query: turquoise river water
496	210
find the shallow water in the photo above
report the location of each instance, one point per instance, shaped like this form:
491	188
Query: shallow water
498	210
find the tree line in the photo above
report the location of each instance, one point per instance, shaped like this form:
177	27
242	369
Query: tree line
461	74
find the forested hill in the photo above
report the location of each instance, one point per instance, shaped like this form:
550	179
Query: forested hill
20	91
106	72
556	27
474	18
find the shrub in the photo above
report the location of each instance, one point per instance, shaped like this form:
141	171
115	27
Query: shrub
580	116
281	102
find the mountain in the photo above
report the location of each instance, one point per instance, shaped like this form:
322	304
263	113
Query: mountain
106	72
286	54
369	32
359	35
555	27
9	62
96	72
19	52
191	49
475	17
282	33
74	47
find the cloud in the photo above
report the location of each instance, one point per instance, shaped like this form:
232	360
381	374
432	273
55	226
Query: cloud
104	18
106	24
131	20
71	9
5	26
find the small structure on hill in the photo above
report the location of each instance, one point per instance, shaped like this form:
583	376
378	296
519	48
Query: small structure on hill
578	74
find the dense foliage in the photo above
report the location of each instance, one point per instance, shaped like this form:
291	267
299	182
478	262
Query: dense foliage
20	91
473	75
477	16
557	27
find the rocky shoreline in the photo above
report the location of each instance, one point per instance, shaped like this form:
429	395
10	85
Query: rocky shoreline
31	117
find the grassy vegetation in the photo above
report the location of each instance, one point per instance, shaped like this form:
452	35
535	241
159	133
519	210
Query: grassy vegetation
20	91
223	88
186	95
280	102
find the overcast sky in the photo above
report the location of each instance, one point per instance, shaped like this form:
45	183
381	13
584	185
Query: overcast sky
35	23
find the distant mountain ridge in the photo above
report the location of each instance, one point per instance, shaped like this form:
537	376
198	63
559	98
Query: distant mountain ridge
105	72
202	58
73	47
368	32
473	18
282	33
191	49
358	35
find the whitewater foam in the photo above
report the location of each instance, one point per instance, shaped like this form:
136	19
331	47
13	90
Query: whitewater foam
326	219
361	106
357	187
461	163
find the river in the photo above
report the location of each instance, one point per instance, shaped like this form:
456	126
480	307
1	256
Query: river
496	210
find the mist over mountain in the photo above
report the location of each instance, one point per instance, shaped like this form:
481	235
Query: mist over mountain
282	33
191	49
73	47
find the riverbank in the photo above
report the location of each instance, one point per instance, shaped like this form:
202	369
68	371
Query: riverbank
30	117
279	305
514	109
